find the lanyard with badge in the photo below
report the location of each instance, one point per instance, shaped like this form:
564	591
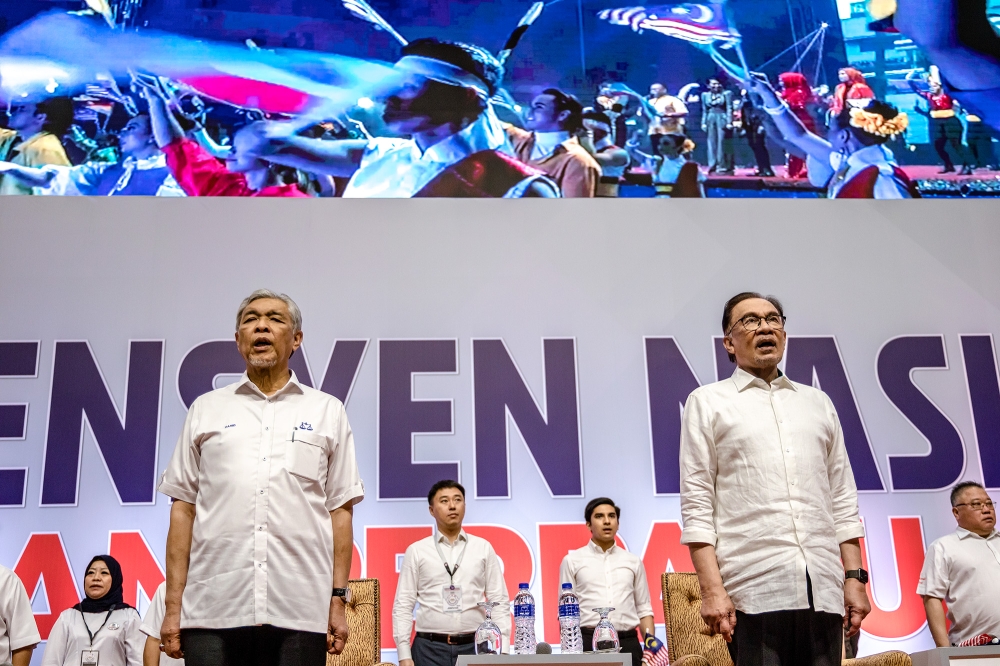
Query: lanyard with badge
90	657
451	594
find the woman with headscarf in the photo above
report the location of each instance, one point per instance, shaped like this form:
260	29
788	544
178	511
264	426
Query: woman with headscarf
797	94
101	630
852	90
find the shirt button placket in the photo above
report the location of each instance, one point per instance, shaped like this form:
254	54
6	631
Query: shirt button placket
261	511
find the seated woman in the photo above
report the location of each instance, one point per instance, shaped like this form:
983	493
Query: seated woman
102	629
853	161
674	175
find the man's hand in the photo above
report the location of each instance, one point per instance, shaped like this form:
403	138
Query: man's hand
856	605
405	662
336	637
170	636
719	613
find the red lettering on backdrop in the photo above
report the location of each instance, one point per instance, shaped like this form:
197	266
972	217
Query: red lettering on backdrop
664	552
907	617
382	545
139	565
44	557
554	541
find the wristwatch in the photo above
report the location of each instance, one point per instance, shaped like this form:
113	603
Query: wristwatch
344	593
860	574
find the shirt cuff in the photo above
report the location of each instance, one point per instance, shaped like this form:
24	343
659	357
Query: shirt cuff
403	651
170	490
18	642
848	532
693	535
356	493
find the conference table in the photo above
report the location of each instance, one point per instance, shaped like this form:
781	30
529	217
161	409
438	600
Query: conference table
984	655
586	659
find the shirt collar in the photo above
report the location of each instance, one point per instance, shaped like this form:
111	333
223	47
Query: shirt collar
869	155
157	161
547	143
293	384
964	534
744	379
478	136
600	551
462	536
27	142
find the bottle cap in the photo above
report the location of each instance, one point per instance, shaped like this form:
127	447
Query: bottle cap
567	586
523	586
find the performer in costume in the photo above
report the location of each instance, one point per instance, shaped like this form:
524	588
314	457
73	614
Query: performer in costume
756	132
853	161
33	137
851	91
945	127
671	111
143	171
612	159
458	147
797	94
615	105
716	121
674	174
551	144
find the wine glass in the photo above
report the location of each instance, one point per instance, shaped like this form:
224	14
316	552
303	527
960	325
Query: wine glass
488	636
605	636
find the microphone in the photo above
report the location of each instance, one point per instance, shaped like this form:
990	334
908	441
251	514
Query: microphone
543	648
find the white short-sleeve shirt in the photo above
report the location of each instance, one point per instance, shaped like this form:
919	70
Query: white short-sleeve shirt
116	637
153	621
264	473
963	568
17	622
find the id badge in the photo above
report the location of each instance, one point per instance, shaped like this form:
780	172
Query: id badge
452	595
89	657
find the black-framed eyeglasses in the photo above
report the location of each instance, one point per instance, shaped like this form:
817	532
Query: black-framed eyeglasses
977	505
751	322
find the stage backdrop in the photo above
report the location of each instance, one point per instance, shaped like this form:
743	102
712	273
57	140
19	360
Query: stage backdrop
540	352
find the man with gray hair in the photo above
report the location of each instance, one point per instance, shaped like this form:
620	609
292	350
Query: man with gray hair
262	470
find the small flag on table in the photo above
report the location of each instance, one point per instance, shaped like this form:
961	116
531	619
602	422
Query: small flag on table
981	639
654	652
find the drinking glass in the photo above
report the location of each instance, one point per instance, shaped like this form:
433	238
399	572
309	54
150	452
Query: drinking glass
605	636
488	636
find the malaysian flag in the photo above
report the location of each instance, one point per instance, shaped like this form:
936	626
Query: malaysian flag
654	652
981	639
700	23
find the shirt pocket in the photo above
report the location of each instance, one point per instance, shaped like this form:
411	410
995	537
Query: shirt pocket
305	455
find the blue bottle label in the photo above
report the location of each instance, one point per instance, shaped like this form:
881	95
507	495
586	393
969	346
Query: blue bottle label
524	610
569	610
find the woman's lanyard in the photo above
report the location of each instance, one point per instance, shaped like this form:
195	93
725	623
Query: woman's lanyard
451	571
87	626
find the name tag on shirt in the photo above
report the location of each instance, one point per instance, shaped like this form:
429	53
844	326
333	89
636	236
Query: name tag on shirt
89	657
452	596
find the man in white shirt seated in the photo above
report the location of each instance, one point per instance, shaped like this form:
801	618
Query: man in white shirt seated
18	633
447	574
963	570
604	575
769	504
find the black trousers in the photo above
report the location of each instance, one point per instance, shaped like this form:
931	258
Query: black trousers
805	637
265	645
431	653
629	641
758	144
948	132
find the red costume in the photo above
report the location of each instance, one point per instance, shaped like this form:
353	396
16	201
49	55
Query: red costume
862	186
201	175
487	173
855	88
798	96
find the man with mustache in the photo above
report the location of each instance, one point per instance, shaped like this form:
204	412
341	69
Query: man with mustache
440	98
264	481
769	503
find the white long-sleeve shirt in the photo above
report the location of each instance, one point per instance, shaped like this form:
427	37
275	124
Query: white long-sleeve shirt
153	622
613	578
119	641
422	580
17	622
765	478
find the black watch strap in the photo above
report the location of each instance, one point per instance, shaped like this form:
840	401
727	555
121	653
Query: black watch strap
860	574
342	592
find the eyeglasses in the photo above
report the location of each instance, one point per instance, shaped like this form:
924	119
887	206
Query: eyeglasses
977	505
752	322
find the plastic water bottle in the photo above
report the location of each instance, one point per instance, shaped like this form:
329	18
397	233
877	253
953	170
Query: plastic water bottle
570	638
524	621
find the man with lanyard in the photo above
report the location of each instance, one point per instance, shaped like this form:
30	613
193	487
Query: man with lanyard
447	574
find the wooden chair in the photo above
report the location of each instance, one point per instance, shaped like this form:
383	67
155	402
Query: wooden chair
364	646
688	640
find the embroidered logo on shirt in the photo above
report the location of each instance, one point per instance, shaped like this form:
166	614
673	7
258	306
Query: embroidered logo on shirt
305	426
114	626
231	425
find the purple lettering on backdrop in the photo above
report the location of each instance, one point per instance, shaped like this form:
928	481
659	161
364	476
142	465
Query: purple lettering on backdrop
820	356
669	381
17	359
552	438
129	448
943	465
12	486
13	421
984	394
724	368
400	416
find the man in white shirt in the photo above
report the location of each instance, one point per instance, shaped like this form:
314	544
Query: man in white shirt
963	570
603	575
152	655
670	111
769	503
447	574
18	633
263	469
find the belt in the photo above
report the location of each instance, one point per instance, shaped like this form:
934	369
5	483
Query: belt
450	639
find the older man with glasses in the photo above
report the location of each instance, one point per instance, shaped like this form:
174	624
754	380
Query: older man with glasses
962	569
769	503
